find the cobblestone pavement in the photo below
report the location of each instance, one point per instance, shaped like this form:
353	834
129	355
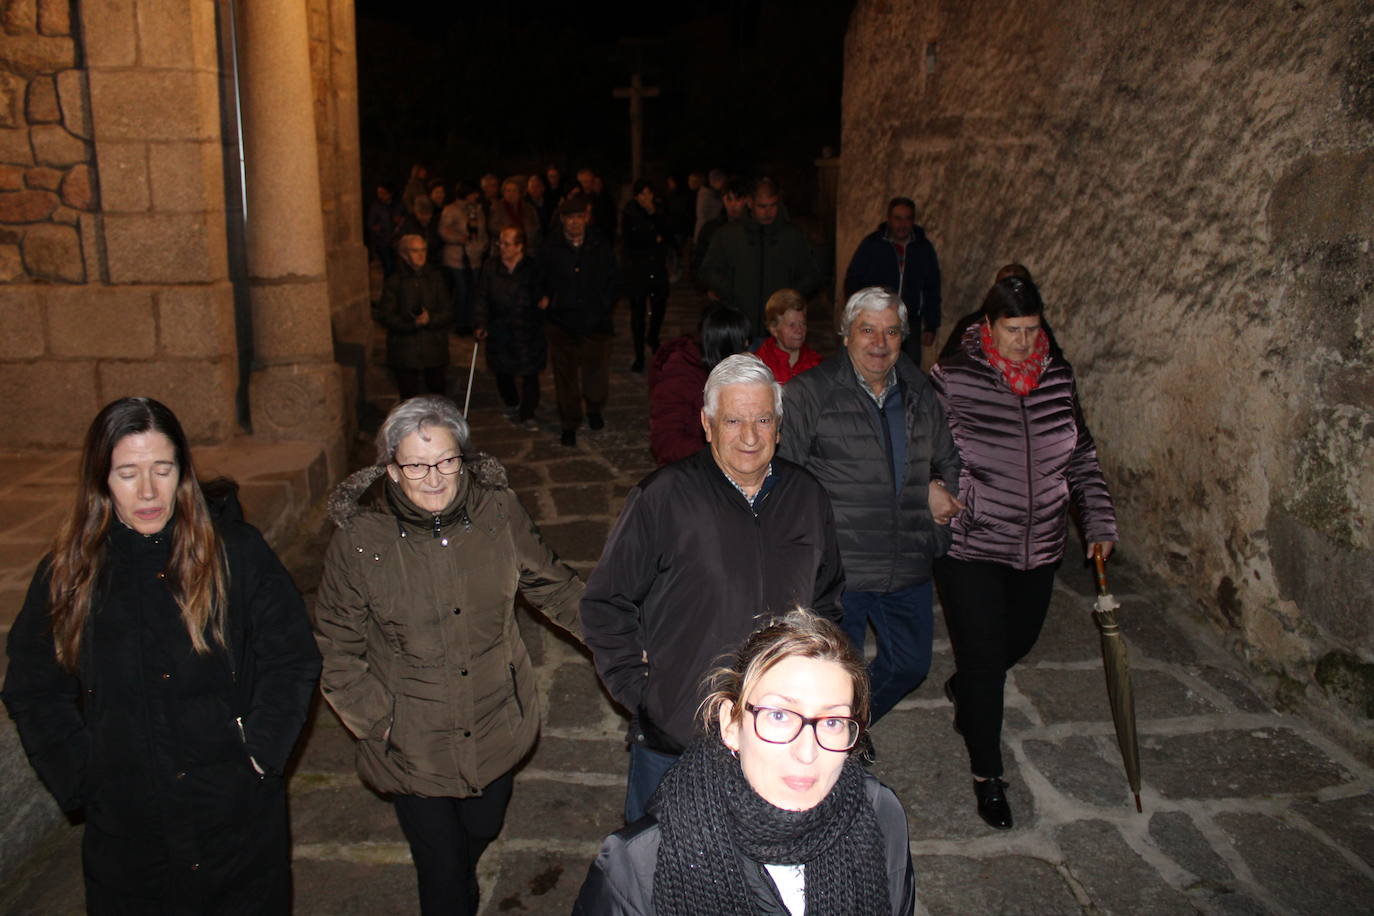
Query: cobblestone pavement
1246	811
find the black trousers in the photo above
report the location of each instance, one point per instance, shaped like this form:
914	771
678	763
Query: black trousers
994	614
656	306
527	398
447	836
413	382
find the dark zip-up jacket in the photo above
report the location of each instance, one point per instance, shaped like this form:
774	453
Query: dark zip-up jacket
1024	459
831	427
582	282
154	740
689	571
620	882
404	295
748	262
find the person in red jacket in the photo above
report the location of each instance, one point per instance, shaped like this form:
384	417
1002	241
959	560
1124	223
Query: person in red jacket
677	378
785	350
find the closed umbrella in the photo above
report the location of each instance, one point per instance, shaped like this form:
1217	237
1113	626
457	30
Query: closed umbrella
1118	671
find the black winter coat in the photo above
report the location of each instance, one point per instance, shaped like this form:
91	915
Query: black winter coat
582	284
644	237
689	571
620	882
507	305
154	741
405	293
831	427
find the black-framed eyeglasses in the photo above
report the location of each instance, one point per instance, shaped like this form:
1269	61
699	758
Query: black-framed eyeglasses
782	726
418	470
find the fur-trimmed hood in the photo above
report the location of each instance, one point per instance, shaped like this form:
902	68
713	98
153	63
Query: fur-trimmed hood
345	501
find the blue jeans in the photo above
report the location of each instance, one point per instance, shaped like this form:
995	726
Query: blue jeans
904	625
647	769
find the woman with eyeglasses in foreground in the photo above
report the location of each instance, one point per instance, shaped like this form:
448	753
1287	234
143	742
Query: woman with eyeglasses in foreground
423	660
768	811
160	672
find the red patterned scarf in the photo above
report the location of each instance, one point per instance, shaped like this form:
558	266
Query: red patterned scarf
1021	377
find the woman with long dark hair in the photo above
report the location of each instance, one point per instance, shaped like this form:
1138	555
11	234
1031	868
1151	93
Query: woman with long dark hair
160	671
677	380
1012	406
768	811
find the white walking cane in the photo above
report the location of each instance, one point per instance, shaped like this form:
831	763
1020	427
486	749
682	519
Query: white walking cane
472	370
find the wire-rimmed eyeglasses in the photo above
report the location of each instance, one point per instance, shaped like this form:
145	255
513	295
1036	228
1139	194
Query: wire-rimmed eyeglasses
782	726
418	470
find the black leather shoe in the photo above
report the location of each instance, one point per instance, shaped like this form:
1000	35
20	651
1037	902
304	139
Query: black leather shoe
569	438
992	802
595	420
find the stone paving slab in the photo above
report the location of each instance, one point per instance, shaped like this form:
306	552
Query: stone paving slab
536	882
1007	885
1113	875
1232	763
1081	695
1300	871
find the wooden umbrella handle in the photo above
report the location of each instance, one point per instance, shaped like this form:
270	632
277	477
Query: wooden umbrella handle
1100	564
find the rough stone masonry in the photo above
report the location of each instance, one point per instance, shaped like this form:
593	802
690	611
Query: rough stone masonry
1192	185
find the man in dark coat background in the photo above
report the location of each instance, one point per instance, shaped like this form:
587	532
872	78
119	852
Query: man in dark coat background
750	260
581	278
899	257
416	309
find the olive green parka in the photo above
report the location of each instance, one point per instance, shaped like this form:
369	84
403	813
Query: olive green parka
423	660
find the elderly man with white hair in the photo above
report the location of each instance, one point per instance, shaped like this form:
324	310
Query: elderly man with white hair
705	550
867	424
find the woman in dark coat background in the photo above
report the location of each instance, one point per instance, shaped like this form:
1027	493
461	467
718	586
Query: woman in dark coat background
160	671
677	382
645	229
510	317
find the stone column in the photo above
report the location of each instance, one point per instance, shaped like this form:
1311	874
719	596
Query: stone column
295	391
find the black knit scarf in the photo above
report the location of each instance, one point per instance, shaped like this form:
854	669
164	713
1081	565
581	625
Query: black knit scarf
708	814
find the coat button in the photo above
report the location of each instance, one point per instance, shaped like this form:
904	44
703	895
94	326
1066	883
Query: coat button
166	676
162	575
195	866
463	672
466	733
457	611
181	774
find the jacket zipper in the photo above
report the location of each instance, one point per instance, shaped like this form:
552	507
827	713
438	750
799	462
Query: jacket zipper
1030	490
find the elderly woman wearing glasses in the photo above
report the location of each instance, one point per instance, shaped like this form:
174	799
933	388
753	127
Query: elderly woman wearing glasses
423	660
768	811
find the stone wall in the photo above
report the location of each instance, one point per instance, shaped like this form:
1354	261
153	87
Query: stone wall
116	284
1192	185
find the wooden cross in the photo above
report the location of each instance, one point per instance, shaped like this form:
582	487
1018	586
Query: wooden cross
636	92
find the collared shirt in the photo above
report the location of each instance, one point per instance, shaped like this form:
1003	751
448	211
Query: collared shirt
763	489
889	385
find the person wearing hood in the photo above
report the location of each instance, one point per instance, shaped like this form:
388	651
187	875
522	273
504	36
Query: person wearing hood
899	257
159	674
750	260
423	659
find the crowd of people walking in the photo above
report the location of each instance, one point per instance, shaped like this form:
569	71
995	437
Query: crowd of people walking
162	665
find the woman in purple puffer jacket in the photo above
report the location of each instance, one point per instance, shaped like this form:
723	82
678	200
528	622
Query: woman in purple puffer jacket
1013	410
